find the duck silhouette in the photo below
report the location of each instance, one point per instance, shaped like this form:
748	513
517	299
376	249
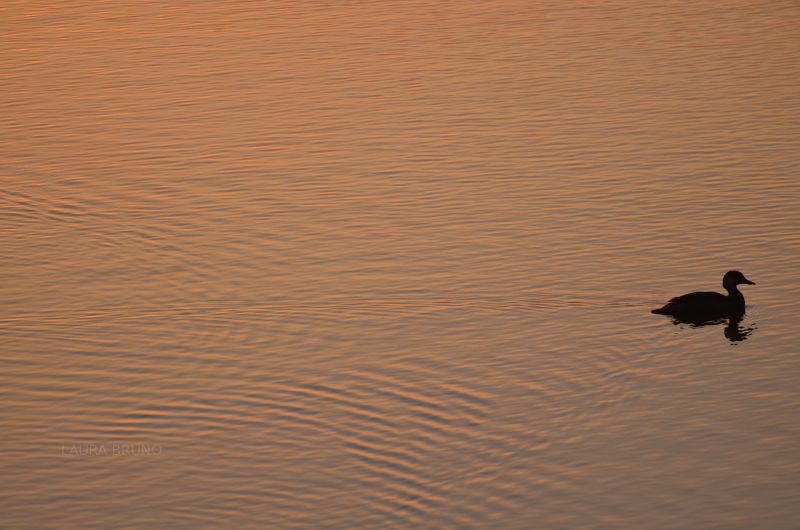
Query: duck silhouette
708	306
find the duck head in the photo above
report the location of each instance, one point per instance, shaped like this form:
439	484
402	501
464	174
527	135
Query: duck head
734	278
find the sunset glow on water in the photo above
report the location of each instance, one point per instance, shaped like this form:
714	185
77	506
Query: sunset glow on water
391	264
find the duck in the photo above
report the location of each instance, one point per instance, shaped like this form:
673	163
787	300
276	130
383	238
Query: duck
709	305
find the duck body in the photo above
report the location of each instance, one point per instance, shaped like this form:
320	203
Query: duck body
701	306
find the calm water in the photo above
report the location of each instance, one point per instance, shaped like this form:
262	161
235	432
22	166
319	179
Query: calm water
390	264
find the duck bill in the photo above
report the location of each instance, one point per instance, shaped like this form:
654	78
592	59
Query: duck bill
748	282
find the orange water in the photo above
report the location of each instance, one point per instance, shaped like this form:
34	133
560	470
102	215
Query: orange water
390	264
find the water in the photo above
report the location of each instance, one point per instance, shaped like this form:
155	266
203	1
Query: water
390	264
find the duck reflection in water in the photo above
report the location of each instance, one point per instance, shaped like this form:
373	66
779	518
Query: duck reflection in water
736	333
709	308
734	330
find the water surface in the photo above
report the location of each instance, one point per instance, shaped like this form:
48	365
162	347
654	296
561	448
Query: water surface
390	264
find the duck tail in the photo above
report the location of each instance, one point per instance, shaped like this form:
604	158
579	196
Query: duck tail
660	311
